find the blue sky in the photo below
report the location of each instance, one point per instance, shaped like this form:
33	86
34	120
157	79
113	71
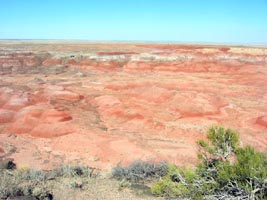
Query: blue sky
219	21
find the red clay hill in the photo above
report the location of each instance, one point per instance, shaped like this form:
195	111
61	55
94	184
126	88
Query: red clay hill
104	104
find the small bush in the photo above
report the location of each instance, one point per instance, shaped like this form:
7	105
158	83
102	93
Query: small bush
140	171
73	171
124	184
33	175
76	183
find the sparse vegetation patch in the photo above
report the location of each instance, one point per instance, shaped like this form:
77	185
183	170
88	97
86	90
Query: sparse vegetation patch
141	171
38	184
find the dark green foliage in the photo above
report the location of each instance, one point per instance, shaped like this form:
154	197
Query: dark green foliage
250	163
225	171
184	182
223	140
169	188
222	143
140	171
177	182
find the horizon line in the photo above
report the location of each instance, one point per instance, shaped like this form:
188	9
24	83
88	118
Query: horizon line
264	44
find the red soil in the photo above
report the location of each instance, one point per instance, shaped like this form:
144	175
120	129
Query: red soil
121	102
115	53
262	121
50	62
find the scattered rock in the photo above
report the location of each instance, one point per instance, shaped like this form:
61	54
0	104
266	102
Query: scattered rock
78	75
7	164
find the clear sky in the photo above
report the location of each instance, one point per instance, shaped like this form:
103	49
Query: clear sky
219	21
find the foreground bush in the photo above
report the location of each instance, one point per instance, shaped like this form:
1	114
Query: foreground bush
226	171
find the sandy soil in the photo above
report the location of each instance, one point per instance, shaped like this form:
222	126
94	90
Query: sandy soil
104	104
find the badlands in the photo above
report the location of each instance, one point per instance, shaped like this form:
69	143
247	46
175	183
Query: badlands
100	104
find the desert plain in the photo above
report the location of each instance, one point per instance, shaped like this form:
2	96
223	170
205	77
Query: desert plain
103	104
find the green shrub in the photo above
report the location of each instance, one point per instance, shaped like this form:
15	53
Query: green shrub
183	182
250	163
217	176
167	187
222	143
172	184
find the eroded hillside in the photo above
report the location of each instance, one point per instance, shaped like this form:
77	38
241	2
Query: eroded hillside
101	104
